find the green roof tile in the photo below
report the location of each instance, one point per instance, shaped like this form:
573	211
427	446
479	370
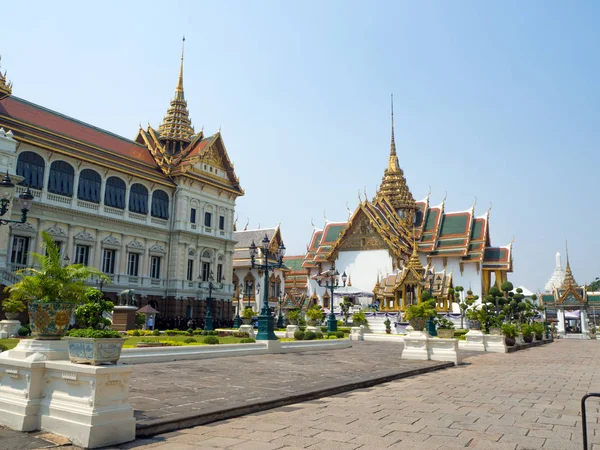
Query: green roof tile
453	224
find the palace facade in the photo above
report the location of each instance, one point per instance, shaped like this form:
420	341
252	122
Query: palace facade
154	213
394	247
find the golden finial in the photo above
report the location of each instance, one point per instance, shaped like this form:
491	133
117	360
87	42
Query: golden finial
474	203
5	85
365	191
247	223
429	193
393	142
313	224
359	199
445	196
569	279
489	209
325	217
348	209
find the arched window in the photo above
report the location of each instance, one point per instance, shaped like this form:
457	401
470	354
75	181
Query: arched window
114	194
61	178
138	199
89	186
31	166
160	204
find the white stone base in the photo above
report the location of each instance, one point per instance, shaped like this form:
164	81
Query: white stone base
444	350
474	341
494	343
38	350
248	329
357	334
415	346
273	346
290	330
10	327
87	404
313	329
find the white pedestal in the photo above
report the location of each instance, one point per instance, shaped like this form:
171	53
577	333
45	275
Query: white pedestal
313	329
474	341
273	346
87	404
443	350
10	327
248	329
357	334
415	346
290	330
494	343
38	350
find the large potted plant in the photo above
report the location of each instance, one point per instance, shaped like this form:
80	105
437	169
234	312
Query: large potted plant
388	326
247	315
95	343
538	330
51	291
495	324
510	334
359	318
12	307
445	328
527	331
315	315
419	313
473	318
293	316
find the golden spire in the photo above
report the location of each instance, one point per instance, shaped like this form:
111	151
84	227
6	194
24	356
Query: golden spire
569	279
5	85
177	125
415	262
393	185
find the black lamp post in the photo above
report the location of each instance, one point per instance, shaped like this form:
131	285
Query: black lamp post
237	322
208	318
330	280
280	318
7	190
265	323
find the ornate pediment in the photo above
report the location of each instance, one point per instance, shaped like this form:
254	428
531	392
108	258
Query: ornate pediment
213	157
157	248
27	227
362	235
84	236
57	231
136	244
111	240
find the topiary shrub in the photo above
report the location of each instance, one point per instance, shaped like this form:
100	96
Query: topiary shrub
339	334
214	333
299	335
24	331
135	333
155	333
319	335
309	336
198	332
190	331
323	329
240	334
212	340
189	340
247	340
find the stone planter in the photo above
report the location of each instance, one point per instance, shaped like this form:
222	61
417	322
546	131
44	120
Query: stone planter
445	333
11	315
474	324
95	351
528	339
49	320
509	341
312	323
246	321
539	337
293	321
417	324
495	331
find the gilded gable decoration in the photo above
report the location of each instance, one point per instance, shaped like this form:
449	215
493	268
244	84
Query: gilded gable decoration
5	85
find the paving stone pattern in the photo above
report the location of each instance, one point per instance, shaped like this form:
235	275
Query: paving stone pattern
165	391
525	400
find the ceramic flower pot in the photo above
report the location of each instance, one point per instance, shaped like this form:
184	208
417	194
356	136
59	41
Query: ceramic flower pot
528	338
539	337
474	324
49	321
445	333
246	321
95	351
509	341
417	324
11	315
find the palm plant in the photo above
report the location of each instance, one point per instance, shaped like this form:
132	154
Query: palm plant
52	282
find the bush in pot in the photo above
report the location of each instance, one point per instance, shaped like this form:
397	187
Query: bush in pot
445	328
419	313
53	291
495	325
388	326
294	316
509	331
247	315
359	318
538	330
527	331
315	315
95	343
12	307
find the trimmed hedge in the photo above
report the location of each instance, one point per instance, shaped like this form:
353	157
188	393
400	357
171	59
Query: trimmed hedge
212	340
247	340
299	335
309	336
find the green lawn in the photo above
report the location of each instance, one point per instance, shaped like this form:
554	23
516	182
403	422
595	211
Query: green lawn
9	343
131	341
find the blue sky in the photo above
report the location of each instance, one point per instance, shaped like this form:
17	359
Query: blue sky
494	100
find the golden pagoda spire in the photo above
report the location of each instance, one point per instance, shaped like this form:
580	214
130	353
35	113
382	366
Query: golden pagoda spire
177	126
5	85
569	279
394	184
414	261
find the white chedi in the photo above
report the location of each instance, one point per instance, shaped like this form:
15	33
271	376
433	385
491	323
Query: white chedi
558	276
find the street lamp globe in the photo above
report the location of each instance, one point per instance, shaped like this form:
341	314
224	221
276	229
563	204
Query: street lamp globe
25	200
265	245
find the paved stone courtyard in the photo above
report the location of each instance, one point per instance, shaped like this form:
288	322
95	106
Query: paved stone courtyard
525	400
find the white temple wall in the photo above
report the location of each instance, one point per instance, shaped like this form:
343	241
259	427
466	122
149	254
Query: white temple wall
363	267
469	279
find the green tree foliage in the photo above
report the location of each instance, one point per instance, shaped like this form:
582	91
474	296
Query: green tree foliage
89	315
345	307
594	286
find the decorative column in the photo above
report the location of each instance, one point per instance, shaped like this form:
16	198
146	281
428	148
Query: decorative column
584	318
560	314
